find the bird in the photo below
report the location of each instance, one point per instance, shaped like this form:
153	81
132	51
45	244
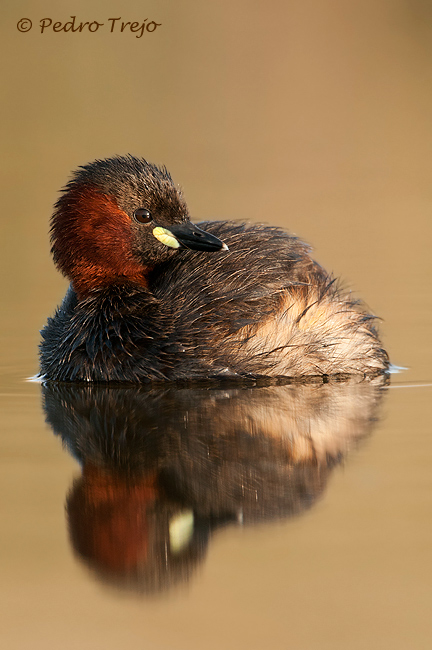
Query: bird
154	297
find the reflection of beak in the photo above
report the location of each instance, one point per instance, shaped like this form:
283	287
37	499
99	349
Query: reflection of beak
181	528
187	235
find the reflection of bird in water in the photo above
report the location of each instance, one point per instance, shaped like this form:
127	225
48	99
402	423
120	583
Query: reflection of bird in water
163	468
153	297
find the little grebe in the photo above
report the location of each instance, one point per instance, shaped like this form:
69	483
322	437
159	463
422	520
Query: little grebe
154	297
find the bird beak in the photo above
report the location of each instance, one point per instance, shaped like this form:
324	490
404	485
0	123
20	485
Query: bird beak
187	235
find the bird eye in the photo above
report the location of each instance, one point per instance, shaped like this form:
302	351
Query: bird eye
142	215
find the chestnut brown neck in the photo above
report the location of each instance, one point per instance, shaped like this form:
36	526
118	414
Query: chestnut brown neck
92	241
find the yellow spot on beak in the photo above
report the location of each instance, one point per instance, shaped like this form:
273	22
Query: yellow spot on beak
165	237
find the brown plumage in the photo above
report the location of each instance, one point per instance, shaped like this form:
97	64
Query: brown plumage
153	297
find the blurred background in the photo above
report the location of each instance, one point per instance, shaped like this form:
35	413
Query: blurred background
314	115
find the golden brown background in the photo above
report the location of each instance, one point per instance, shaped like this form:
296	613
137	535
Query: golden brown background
310	114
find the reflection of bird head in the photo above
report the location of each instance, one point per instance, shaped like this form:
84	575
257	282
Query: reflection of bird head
122	531
108	518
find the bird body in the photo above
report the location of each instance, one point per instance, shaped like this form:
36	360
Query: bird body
153	298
